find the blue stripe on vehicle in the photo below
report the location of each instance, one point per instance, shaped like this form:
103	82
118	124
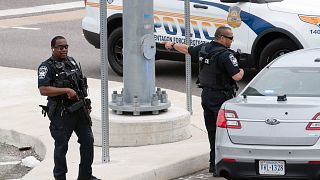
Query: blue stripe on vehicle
255	23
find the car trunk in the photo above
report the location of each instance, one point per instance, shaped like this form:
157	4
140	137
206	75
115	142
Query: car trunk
266	121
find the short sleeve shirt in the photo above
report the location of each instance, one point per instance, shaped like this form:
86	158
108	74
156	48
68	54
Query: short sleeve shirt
226	59
229	62
45	74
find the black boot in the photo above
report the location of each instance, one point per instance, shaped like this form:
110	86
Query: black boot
90	178
60	177
212	169
94	178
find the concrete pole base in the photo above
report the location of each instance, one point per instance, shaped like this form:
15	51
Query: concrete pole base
167	127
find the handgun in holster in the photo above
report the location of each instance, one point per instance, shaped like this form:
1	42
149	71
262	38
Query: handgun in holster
44	110
49	109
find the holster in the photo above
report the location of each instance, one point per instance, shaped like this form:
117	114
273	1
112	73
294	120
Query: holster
52	108
87	102
82	106
235	88
49	109
44	110
229	93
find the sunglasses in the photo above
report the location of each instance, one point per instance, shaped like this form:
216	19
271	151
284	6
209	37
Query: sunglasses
61	47
231	38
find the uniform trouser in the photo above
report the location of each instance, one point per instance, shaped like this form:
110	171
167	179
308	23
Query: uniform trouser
211	101
61	128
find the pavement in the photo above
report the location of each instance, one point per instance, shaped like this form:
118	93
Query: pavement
22	124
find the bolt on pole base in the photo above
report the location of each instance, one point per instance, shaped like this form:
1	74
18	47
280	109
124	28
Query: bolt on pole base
159	103
136	111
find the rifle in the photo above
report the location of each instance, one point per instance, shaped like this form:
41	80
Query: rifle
79	84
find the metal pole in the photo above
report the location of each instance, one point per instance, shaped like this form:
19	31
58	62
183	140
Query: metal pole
188	57
104	82
139	49
138	72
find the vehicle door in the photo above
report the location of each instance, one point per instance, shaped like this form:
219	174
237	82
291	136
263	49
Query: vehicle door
234	15
168	20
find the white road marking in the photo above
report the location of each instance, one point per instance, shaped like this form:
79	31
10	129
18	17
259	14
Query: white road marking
44	8
9	163
25	28
26	22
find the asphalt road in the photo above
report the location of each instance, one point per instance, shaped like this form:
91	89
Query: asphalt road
26	48
25	43
11	166
15	4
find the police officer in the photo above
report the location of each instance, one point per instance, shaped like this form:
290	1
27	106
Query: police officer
217	75
66	112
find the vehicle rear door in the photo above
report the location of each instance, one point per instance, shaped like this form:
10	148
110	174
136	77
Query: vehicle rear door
234	15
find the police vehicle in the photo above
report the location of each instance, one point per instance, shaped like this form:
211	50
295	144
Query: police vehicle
263	29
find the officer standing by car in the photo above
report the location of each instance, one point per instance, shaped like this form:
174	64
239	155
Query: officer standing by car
60	78
218	71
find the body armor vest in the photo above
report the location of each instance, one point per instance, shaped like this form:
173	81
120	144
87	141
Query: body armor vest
211	74
68	74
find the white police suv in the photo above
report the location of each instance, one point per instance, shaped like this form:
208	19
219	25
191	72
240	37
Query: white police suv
263	29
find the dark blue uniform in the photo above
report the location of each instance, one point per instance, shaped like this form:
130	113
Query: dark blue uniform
64	123
216	83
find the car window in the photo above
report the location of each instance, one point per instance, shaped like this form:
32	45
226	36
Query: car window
298	82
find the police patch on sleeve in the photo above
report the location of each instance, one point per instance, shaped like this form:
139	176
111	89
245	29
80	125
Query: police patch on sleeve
233	60
42	72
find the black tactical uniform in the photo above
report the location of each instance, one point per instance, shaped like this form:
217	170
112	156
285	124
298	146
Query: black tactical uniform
65	117
217	66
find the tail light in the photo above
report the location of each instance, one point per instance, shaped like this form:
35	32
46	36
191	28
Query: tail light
222	121
229	160
316	125
314	162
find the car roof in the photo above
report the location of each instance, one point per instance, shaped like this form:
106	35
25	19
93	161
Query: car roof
300	58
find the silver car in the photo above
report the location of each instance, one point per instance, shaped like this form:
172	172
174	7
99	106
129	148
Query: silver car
272	128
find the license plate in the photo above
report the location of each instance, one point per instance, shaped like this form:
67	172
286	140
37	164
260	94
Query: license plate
272	167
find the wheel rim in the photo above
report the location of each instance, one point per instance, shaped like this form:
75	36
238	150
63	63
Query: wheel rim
278	53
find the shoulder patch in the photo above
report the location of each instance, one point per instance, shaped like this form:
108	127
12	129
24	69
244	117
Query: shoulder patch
42	72
233	60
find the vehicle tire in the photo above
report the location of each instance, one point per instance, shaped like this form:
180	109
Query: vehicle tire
115	53
275	49
230	178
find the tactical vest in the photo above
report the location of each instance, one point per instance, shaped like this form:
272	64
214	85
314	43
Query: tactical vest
62	72
211	74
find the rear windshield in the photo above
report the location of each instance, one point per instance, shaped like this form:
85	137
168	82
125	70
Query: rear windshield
298	82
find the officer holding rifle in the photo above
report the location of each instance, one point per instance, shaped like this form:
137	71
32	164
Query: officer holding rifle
61	79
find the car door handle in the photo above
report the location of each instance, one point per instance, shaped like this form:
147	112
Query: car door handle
200	6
